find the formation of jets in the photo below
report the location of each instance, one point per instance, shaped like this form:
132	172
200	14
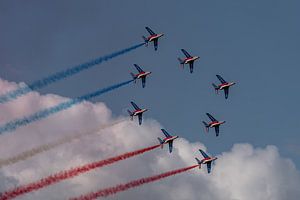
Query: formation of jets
188	60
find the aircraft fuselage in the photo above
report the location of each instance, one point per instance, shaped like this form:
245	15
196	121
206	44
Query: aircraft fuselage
225	85
153	37
191	59
216	123
137	112
168	139
206	160
143	74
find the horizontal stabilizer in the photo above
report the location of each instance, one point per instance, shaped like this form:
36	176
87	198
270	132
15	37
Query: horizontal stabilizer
216	87
206	125
161	142
130	114
145	39
199	162
133	76
181	61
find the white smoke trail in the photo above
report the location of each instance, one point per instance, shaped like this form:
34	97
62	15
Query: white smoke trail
46	147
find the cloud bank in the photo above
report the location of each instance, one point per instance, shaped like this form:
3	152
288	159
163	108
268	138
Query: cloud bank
243	173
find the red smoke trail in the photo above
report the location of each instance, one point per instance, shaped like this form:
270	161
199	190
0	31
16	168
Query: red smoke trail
122	187
70	174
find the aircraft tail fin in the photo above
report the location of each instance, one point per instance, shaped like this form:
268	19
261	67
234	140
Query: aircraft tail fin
130	114
216	87
145	40
161	142
199	162
206	126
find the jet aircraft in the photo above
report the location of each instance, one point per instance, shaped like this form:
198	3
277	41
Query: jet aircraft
167	140
152	38
141	75
206	160
213	124
188	60
138	112
223	86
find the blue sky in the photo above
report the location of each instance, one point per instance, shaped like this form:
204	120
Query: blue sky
254	43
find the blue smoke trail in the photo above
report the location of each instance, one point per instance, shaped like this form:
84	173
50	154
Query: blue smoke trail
61	75
12	125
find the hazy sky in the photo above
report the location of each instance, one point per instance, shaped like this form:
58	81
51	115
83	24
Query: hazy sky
255	43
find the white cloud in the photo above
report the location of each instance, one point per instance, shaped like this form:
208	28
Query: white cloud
242	173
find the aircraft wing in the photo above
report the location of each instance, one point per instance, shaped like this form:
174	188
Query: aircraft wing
208	167
221	79
226	91
150	31
186	53
204	154
140	116
192	66
138	68
171	146
134	105
165	133
155	42
143	81
211	117
217	129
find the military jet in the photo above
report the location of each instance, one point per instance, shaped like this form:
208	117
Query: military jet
138	112
223	86
141	75
152	38
188	60
167	140
206	160
213	124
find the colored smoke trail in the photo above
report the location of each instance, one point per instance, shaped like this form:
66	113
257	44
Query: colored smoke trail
70	174
61	75
46	147
122	187
12	125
